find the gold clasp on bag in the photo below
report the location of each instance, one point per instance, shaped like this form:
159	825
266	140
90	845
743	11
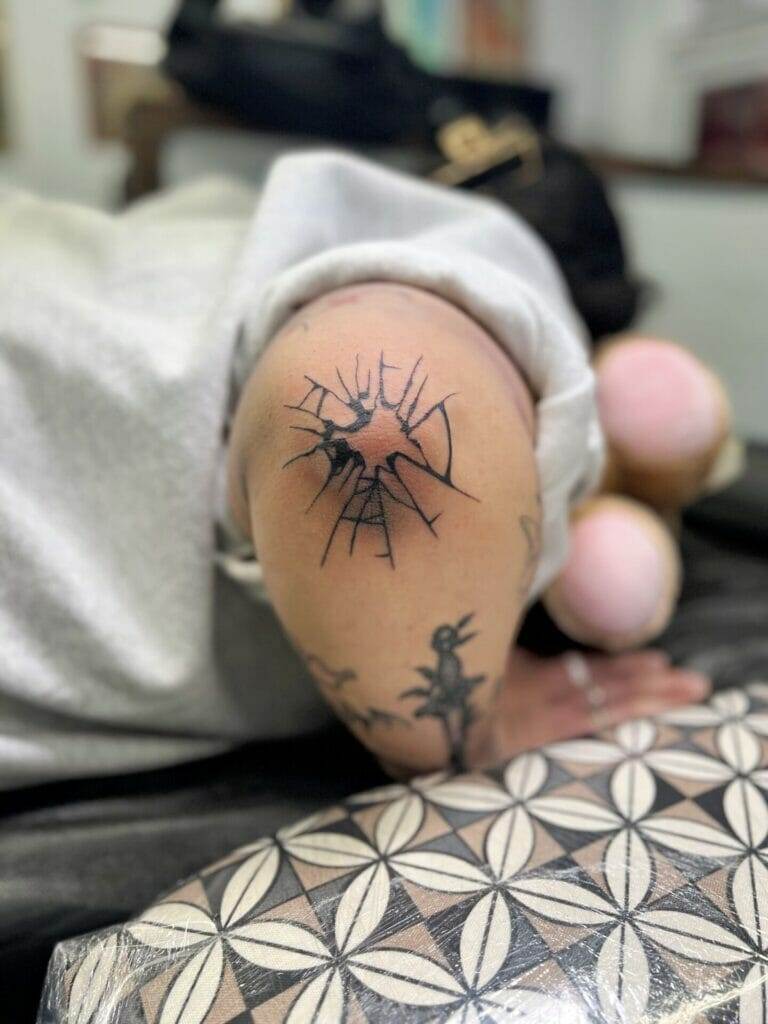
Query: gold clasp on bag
473	148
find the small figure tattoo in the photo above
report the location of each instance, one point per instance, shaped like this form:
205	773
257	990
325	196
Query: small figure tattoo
369	483
447	696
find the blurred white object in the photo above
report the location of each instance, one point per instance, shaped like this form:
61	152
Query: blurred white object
124	43
51	147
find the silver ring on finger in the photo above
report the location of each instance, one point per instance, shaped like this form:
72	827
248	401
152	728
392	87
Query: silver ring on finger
579	675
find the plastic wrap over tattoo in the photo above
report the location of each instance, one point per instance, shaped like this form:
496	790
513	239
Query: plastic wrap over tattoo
616	879
347	421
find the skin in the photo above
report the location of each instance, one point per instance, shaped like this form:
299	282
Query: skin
414	656
670	475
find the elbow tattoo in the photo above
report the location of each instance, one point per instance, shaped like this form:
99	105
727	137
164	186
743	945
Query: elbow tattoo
371	479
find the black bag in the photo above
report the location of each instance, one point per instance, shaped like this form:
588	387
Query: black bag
319	75
555	190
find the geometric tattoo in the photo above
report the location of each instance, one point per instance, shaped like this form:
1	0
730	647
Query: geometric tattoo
348	424
447	696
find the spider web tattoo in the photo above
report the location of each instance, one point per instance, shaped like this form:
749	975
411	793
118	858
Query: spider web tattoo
369	483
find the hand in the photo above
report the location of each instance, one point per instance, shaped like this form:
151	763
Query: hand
540	702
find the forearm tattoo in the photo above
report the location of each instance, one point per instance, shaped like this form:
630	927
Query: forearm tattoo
447	696
348	422
531	529
329	678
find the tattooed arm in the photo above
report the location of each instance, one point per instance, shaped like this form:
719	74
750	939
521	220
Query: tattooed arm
382	461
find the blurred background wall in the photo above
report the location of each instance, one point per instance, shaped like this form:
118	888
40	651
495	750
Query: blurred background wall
629	76
51	147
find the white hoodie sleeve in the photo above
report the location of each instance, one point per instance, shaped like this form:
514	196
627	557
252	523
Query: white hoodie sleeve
327	220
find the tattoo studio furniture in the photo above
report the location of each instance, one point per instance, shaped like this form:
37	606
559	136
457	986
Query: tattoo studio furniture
617	878
622	877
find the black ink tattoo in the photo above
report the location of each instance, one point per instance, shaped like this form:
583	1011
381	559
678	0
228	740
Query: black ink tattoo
447	696
367	718
368	482
332	680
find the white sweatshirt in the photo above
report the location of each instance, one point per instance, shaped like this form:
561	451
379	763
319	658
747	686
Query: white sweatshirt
132	633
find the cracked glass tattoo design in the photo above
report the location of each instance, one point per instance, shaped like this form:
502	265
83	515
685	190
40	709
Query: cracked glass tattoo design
370	481
446	698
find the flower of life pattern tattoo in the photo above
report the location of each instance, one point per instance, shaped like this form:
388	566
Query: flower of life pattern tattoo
369	483
447	696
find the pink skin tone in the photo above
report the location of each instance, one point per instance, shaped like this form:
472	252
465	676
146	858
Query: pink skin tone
659	406
656	401
348	621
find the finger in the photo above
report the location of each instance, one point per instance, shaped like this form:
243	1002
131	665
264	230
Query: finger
616	676
644	707
671	684
619	700
629	664
622	700
656	695
548	681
